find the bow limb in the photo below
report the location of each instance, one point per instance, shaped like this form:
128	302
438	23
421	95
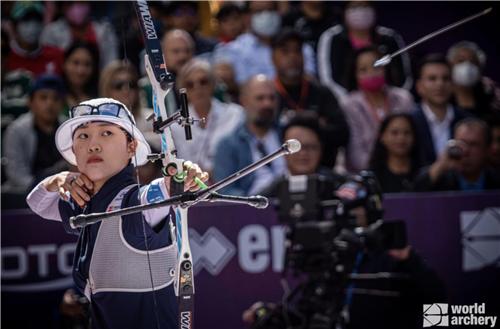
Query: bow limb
173	166
162	86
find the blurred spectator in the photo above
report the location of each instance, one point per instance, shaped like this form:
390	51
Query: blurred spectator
465	169
494	152
435	117
311	19
229	22
304	127
26	51
29	144
220	118
252	140
77	26
15	87
366	106
472	92
178	49
337	46
184	15
250	53
226	89
299	93
119	81
395	159
80	73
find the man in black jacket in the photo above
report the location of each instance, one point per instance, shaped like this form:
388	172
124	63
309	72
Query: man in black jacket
463	167
299	93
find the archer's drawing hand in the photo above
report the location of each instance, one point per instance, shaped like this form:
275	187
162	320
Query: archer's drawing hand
79	186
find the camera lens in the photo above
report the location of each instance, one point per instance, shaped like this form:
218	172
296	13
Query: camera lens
455	152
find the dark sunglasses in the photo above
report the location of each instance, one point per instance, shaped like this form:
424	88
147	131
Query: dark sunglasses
202	83
119	85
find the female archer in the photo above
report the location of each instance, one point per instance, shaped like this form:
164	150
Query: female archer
124	265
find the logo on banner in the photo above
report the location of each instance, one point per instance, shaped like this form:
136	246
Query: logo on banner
436	315
212	251
37	268
480	238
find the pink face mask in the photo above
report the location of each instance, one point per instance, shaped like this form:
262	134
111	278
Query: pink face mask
77	13
373	83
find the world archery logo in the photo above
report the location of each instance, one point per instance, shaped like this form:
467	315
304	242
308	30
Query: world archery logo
436	315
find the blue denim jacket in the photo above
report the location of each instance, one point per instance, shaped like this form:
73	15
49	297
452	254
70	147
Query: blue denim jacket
232	154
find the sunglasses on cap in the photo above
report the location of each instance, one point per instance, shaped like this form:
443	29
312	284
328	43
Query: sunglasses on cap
111	109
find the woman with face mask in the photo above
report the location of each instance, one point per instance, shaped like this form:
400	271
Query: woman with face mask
338	44
472	92
368	104
26	51
76	25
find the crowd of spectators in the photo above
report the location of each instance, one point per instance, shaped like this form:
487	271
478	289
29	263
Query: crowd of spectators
268	71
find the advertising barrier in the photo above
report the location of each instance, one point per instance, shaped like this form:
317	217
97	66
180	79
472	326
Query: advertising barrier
239	251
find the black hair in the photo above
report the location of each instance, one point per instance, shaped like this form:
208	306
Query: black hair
91	86
172	6
434	58
308	120
226	10
286	34
473	121
353	83
378	159
128	135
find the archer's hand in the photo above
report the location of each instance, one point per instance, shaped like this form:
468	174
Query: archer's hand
192	171
78	185
400	254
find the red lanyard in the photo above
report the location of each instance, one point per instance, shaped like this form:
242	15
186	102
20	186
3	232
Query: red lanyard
304	92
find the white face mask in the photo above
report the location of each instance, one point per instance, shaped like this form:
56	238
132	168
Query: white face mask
360	18
29	31
465	74
266	23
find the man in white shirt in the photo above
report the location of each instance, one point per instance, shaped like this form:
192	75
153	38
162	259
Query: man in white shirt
435	117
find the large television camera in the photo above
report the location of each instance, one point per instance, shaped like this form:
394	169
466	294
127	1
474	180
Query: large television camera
328	223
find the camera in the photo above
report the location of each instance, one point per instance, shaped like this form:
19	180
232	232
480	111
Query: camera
454	149
329	222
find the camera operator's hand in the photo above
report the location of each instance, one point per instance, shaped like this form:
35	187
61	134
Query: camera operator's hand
448	160
400	254
256	311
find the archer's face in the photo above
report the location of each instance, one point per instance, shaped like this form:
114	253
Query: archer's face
101	150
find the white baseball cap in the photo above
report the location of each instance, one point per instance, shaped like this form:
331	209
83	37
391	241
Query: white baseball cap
100	109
